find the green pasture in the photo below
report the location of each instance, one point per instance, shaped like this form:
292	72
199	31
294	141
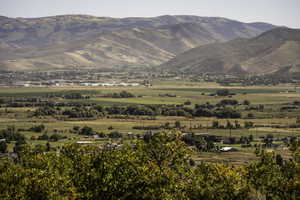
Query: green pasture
273	98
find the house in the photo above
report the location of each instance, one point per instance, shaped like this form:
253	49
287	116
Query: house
228	149
96	137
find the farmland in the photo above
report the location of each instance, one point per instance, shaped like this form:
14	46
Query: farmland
272	110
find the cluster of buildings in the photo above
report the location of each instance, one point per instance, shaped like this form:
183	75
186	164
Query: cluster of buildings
113	84
66	83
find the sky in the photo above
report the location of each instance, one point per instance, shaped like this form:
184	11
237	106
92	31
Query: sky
277	12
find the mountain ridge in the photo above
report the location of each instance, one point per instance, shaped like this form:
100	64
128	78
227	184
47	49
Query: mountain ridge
85	25
267	53
88	41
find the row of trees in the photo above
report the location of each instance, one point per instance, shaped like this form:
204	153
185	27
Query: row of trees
204	110
46	104
158	168
51	138
229	125
122	94
43	100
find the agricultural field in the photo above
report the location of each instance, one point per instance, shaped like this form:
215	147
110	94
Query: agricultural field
121	114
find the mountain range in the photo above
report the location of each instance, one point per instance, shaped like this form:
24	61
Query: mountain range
82	41
275	51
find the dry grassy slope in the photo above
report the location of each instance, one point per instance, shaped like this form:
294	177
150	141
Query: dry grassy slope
87	41
135	46
288	53
147	47
266	53
49	30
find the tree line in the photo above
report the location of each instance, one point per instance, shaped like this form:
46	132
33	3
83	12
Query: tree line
200	110
160	167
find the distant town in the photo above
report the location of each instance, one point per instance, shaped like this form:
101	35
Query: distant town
103	78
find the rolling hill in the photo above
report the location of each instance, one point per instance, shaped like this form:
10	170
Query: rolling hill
86	41
273	51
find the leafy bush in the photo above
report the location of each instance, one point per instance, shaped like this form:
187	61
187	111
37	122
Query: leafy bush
159	168
38	129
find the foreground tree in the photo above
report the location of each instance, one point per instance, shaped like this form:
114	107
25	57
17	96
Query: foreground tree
274	178
160	167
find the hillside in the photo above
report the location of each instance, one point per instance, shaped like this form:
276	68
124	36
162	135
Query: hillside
87	41
49	30
269	52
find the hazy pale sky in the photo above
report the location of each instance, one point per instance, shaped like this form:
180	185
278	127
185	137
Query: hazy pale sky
278	12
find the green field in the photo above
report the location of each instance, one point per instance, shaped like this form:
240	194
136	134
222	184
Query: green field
270	121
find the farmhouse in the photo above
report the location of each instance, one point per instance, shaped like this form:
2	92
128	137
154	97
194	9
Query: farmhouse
228	149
